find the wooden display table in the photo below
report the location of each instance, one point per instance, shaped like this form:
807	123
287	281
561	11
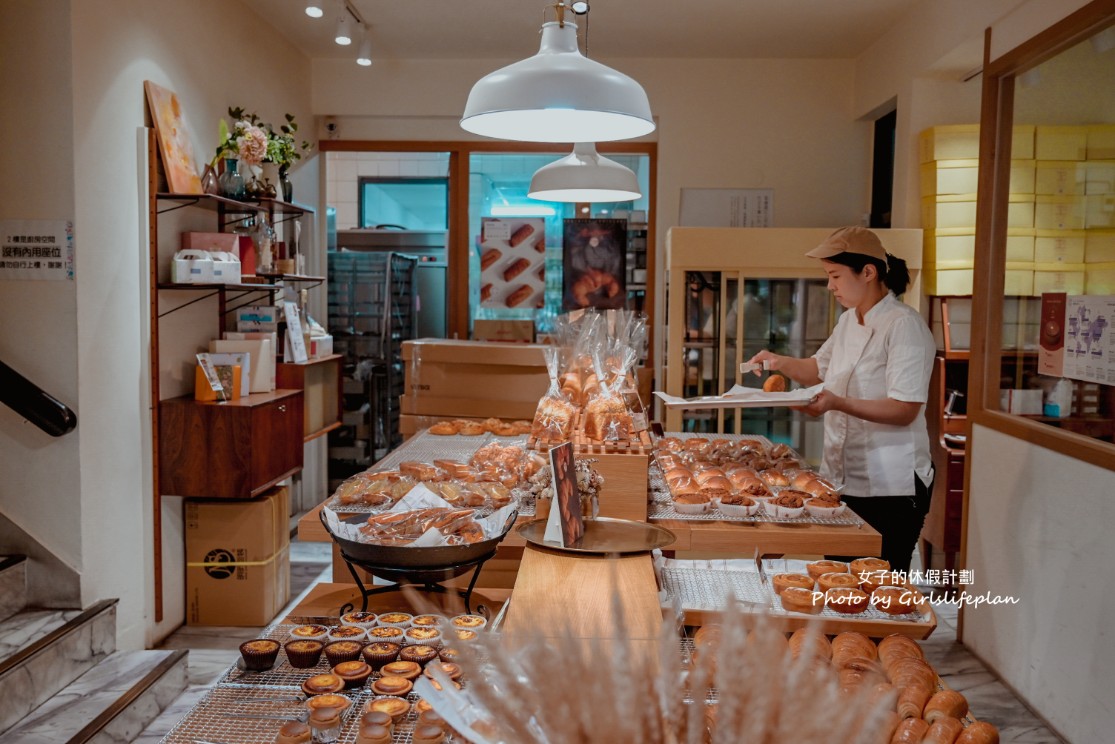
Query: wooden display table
772	538
326	600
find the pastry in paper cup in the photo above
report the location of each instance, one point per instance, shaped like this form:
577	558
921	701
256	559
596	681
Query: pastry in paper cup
738	505
691	503
469	622
821	508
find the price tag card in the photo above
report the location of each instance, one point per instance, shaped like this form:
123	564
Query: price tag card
565	525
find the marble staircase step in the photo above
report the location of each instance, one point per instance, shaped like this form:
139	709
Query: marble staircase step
13	585
44	651
112	702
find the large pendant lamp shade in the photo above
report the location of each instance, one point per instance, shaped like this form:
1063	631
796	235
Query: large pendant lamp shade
584	176
558	95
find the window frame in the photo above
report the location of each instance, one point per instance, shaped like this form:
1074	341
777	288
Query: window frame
997	120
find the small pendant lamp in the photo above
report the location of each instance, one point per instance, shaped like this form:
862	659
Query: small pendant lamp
584	176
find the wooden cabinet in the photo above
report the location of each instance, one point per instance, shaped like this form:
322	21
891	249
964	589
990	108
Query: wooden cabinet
320	382
229	450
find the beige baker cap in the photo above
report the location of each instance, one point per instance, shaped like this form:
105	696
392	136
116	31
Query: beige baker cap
850	240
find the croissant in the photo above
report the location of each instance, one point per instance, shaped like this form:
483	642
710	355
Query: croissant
979	732
909	731
943	731
894	647
912	700
946	703
592	281
810	641
852	645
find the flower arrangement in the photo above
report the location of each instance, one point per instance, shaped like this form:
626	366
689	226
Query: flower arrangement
254	141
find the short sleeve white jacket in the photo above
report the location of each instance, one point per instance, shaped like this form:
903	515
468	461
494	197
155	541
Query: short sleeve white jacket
889	356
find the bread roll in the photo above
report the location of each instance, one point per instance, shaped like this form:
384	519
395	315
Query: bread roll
910	731
520	235
943	731
775	384
489	257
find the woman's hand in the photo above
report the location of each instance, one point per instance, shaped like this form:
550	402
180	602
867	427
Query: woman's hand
801	371
821	403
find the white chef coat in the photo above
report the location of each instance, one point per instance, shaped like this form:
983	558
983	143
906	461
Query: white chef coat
889	356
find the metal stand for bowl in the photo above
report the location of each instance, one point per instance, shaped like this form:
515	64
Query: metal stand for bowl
424	579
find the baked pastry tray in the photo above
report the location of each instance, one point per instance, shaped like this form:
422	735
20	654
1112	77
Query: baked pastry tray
661	506
702	591
427	447
250	707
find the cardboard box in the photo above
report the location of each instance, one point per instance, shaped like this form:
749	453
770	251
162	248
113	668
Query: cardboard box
518	331
1060	178
1059	213
467	407
1059	246
191	267
206	241
1099	246
258	318
473	352
1099	211
1060	143
237	559
1101	142
961	142
481	381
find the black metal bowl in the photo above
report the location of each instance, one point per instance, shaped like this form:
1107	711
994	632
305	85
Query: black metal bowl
403	557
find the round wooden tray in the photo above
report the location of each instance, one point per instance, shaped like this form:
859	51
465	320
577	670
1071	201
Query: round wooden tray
604	535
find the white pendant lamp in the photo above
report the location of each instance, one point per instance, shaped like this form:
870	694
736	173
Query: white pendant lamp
584	176
558	95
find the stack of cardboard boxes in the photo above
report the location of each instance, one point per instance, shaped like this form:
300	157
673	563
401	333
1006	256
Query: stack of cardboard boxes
1060	215
447	379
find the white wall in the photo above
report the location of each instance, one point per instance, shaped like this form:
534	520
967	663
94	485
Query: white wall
69	120
1039	528
40	483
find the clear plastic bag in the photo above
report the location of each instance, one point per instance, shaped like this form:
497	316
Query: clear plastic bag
553	419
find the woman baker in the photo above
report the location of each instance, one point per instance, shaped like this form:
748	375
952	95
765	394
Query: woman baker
875	368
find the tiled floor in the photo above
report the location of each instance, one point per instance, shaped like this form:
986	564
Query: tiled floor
212	650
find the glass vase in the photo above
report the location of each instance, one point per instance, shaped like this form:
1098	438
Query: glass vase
285	185
231	183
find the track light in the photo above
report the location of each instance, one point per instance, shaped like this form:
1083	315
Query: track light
364	56
314	10
344	28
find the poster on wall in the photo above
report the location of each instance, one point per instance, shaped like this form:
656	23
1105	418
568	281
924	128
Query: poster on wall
37	249
1089	342
727	208
174	140
512	262
594	258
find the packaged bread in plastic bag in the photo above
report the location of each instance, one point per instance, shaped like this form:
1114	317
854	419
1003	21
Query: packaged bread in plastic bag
553	419
606	416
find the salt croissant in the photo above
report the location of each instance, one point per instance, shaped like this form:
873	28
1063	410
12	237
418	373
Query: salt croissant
943	731
912	700
896	647
852	645
909	731
946	703
979	732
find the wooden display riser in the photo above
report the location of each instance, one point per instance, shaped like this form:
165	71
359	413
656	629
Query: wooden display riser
325	600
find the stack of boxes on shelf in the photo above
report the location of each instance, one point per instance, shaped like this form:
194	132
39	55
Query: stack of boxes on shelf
1060	217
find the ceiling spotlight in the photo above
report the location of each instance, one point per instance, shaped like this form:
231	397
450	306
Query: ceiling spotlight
344	29
314	10
580	7
558	95
584	176
364	56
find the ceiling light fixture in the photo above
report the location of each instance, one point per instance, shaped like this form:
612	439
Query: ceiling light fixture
558	95
580	7
343	36
584	176
314	10
364	56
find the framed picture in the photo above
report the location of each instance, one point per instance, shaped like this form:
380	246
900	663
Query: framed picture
594	258
174	140
513	262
